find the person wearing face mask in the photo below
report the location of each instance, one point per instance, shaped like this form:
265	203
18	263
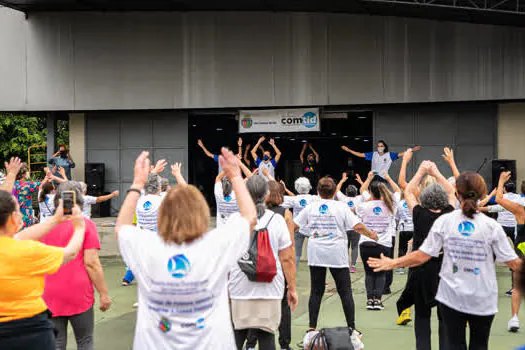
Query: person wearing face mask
381	159
310	165
62	159
267	162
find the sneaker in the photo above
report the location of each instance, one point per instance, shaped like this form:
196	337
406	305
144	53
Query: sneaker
136	305
404	318
370	305
125	283
514	324
387	291
509	292
378	305
353	269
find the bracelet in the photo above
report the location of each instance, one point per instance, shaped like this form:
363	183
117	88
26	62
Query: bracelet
134	190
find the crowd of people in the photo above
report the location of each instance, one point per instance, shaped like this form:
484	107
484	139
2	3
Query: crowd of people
234	286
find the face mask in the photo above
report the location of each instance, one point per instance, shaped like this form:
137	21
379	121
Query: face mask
311	161
266	157
380	149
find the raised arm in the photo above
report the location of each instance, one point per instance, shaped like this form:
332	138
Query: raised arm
127	210
230	165
254	149
449	158
176	171
107	197
516	209
247	173
245	157
392	183
160	166
358	179
451	191
366	184
219	177
315	153
411	190
277	151
344	178
487	198
357	154
267	175
239	145
12	169
288	192
208	153
413	149
301	156
402	179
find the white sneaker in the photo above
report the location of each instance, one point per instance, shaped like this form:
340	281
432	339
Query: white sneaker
514	324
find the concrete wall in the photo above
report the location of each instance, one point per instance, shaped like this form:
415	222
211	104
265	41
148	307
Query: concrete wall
511	135
103	61
77	145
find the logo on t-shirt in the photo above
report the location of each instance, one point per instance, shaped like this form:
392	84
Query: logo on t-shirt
302	202
455	268
165	325
377	211
199	324
466	228
475	270
228	198
179	266
323	209
351	204
147	205
405	205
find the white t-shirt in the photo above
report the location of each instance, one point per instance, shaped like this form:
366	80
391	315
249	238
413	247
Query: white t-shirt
468	275
327	222
148	211
270	166
404	217
240	286
352	202
381	162
88	202
297	204
376	217
183	289
47	207
226	206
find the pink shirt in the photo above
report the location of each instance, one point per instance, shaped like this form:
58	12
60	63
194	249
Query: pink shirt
70	291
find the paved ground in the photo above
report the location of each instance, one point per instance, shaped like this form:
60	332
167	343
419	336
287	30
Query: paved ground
114	329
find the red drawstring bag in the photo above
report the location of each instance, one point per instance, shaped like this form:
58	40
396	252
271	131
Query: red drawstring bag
258	263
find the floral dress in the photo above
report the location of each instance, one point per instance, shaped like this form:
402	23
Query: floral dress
24	193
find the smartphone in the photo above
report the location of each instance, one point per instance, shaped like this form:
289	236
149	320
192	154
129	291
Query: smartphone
68	201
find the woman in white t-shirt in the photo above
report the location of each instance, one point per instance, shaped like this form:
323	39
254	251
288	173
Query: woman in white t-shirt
468	289
256	306
327	221
46	197
224	198
148	205
182	270
378	214
297	203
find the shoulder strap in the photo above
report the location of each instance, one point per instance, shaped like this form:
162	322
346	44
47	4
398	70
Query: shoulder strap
268	223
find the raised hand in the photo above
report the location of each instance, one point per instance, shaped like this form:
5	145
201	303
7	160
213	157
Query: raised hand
371	175
282	183
13	166
199	142
504	177
115	193
344	177
261	139
141	170
344	148
229	163
432	169
62	171
239	142
305	145
407	156
160	166
272	142
415	148
449	155
176	169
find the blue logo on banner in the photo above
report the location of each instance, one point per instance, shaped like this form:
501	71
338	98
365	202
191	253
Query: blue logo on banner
377	211
179	266
310	119
302	202
466	228
323	209
147	205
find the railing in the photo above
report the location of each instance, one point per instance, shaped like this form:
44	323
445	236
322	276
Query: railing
37	165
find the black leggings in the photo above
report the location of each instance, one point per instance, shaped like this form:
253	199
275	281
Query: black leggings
389	275
422	328
266	340
374	281
353	242
455	323
344	289
404	237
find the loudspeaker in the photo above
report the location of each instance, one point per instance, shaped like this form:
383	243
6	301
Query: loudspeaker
501	165
95	178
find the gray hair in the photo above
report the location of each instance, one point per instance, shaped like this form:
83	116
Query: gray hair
302	185
226	186
164	184
153	184
70	186
433	197
83	187
258	188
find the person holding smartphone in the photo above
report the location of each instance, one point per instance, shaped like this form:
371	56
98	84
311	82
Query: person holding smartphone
62	159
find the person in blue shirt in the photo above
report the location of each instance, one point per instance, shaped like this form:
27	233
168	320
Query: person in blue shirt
62	159
267	162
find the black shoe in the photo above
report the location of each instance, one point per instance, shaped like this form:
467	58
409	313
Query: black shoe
378	305
387	291
509	293
370	305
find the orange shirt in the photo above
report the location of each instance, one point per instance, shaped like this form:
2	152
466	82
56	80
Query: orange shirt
23	265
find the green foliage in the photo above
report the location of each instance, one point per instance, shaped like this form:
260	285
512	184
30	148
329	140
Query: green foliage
19	132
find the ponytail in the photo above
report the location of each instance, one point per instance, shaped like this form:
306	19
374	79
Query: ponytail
258	189
47	188
469	207
380	191
470	187
227	187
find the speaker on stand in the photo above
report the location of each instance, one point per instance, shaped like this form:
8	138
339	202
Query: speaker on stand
501	165
95	180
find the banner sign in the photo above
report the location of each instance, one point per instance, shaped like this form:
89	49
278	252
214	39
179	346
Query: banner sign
279	120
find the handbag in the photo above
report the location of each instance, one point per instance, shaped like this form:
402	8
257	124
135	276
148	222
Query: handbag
338	338
258	263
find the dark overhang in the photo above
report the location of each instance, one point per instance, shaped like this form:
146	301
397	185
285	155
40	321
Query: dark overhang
501	12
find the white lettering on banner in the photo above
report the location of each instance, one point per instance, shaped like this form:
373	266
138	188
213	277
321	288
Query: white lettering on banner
279	120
